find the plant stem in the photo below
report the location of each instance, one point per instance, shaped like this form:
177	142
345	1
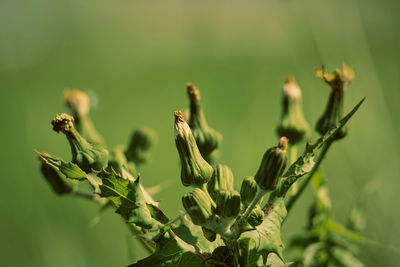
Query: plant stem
136	232
260	193
321	156
293	157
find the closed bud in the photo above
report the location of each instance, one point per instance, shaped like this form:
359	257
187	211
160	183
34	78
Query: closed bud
199	206
85	155
222	179
209	234
79	104
228	204
272	166
338	80
293	124
142	141
195	171
256	216
248	190
207	138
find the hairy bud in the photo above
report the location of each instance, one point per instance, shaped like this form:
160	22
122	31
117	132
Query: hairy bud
293	124
206	138
272	166
248	190
199	206
338	80
256	216
222	179
228	204
85	155
195	171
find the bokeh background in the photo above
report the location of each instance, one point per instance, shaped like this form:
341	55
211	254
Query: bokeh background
134	57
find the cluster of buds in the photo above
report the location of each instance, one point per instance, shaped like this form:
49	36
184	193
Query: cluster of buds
213	203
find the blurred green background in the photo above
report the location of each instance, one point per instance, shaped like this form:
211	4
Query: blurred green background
135	57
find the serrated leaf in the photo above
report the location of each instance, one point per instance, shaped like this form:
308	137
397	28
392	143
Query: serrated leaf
127	198
255	245
172	251
69	169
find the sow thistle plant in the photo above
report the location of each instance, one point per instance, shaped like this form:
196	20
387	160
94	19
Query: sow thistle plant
220	225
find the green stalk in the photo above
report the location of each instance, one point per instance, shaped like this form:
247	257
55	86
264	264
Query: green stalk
136	232
260	193
321	156
293	157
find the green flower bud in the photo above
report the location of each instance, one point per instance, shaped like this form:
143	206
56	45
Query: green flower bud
86	156
338	80
272	166
55	179
195	171
142	141
228	204
293	124
248	190
222	179
79	104
209	234
256	216
207	139
199	206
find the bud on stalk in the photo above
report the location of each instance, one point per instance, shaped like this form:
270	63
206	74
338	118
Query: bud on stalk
206	138
272	166
248	190
293	124
222	179
79	104
338	80
86	156
195	171
199	206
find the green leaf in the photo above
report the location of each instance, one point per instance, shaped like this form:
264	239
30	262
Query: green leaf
255	245
69	169
305	163
157	214
193	235
274	261
172	251
127	197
